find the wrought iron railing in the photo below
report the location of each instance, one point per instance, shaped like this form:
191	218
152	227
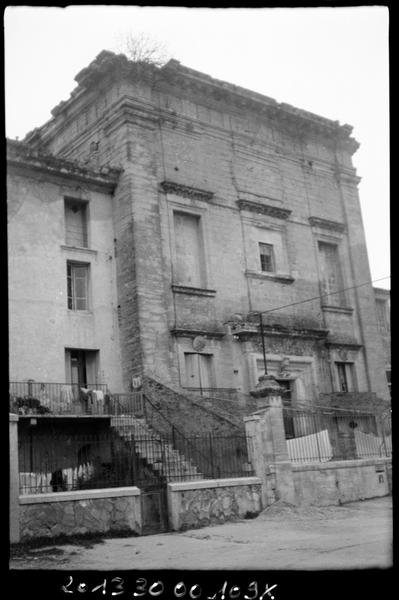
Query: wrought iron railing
321	436
39	398
58	462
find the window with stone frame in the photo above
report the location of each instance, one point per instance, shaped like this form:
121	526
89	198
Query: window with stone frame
331	275
189	268
75	223
267	260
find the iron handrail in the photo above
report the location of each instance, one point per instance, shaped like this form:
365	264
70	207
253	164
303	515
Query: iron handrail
174	429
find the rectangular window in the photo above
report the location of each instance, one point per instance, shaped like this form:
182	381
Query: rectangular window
189	267
345	375
266	254
331	275
199	370
382	315
76	223
78	286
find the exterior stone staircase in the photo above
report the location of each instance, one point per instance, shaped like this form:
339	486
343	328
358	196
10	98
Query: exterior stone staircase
155	450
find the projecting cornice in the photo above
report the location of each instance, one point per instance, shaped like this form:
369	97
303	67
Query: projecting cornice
264	209
176	78
21	156
179	189
327	224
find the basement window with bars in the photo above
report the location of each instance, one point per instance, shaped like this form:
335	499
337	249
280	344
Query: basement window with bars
76	223
78	285
266	254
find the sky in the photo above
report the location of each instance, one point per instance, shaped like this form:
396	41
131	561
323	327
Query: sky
330	61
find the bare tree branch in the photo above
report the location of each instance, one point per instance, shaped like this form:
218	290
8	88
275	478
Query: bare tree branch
142	48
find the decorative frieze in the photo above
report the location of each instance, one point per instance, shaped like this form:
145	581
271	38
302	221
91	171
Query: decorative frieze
194	333
327	224
264	209
179	189
192	291
280	277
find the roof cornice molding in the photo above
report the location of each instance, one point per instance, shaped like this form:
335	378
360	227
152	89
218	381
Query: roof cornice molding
301	122
265	209
21	156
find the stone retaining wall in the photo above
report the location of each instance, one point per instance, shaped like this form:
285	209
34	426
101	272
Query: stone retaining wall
80	512
341	481
200	503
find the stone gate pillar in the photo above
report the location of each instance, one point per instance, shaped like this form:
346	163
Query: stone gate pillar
269	446
14	479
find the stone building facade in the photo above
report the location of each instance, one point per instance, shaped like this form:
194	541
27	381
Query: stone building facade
207	204
383	309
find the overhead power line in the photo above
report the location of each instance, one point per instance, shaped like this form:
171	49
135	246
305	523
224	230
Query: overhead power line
262	312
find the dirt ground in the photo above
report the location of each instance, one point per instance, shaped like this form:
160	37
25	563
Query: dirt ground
353	536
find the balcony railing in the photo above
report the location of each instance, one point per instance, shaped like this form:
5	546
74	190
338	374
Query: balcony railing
38	398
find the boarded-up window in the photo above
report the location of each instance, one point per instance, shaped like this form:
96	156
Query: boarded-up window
75	223
331	276
199	370
189	267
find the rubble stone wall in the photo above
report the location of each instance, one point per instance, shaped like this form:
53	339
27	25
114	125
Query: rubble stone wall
200	503
77	513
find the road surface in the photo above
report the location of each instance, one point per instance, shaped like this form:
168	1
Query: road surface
356	535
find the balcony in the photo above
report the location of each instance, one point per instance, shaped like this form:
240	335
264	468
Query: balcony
31	398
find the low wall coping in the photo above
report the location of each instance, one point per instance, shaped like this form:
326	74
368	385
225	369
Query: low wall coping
79	495
341	464
212	483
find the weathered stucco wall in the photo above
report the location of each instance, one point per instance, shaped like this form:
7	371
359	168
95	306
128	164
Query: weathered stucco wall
40	324
76	513
342	481
200	503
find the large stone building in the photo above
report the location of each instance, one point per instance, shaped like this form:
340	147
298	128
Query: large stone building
160	211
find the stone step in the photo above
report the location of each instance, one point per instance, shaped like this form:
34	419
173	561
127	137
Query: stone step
167	459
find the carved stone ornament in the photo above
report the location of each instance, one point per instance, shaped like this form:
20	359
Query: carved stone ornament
264	209
327	224
199	343
179	189
266	386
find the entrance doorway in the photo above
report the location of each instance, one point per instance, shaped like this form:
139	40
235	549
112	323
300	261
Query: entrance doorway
81	367
288	415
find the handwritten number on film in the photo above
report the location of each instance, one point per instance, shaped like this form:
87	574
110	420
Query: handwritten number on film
117	587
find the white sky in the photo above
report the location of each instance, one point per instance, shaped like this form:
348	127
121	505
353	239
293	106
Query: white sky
331	61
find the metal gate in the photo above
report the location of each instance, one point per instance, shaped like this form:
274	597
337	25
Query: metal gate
154	509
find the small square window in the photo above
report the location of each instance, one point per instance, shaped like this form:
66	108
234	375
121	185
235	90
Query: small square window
78	286
266	254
